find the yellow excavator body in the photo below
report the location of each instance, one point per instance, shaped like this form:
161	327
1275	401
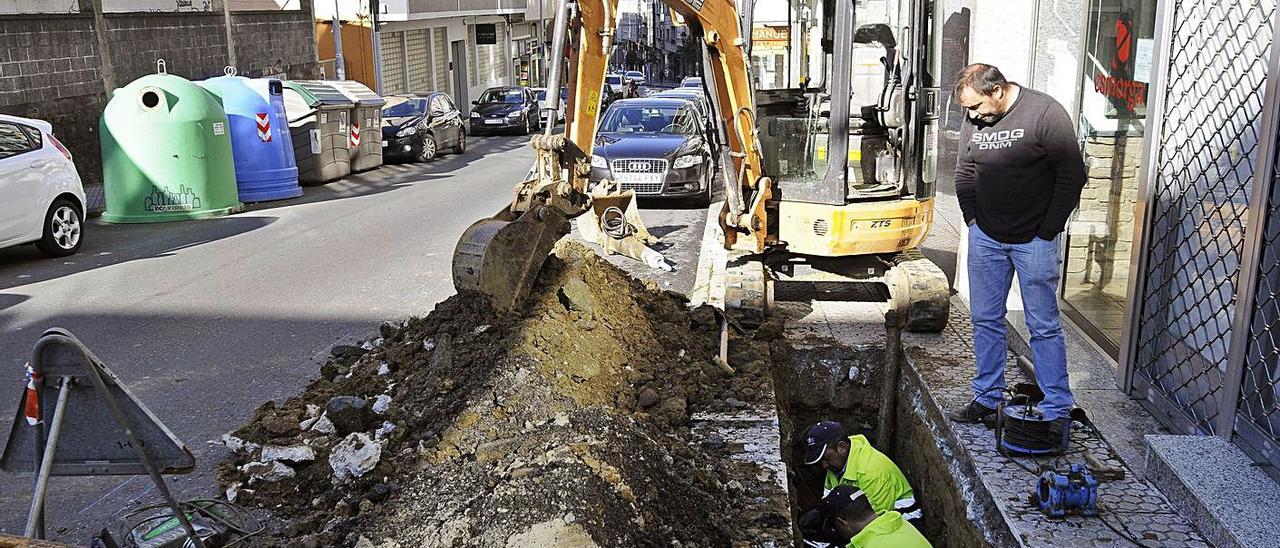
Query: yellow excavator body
876	104
858	228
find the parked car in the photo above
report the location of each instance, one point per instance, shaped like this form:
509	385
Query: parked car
695	95
420	126
699	100
541	95
504	109
41	198
636	76
691	82
614	82
656	147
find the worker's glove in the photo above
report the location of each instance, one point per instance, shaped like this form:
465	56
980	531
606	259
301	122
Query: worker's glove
815	533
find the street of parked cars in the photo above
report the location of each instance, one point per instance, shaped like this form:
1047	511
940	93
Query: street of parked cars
271	138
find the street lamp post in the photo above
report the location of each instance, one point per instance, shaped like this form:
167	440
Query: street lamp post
340	68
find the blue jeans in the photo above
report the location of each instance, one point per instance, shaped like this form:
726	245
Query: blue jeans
991	267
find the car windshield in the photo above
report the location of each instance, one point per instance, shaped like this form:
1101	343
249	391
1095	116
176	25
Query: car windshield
541	94
511	96
622	118
407	107
614	79
635	74
692	83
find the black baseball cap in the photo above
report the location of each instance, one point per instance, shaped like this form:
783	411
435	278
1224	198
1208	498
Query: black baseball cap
818	437
835	502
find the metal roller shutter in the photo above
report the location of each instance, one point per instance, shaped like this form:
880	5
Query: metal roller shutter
440	59
419	59
392	63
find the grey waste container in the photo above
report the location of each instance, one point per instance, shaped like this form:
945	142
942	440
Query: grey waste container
319	123
366	124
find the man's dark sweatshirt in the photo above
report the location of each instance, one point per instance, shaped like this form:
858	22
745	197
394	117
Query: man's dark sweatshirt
1021	176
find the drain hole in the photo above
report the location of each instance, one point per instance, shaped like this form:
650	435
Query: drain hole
150	99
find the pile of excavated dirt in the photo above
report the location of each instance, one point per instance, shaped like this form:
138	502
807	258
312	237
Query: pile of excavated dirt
566	425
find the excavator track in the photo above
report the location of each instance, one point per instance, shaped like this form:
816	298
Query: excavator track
915	284
920	287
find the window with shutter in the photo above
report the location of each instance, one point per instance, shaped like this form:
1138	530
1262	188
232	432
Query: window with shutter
419	61
392	63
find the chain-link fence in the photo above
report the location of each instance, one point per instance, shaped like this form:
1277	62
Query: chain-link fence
1258	415
1199	205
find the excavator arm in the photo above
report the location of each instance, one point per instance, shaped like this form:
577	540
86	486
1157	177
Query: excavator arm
501	256
747	190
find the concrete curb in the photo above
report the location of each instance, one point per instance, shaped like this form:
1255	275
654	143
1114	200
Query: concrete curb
1217	487
982	510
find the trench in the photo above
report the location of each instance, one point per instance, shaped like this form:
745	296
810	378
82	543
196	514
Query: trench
826	380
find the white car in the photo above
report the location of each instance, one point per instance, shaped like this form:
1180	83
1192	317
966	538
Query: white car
637	77
541	95
41	197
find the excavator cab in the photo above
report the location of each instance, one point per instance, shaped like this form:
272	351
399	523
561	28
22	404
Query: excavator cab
847	102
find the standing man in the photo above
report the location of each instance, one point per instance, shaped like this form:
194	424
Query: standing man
1018	177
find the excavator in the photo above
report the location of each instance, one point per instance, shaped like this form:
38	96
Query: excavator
829	179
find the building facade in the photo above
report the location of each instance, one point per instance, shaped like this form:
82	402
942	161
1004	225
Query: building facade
461	46
1171	263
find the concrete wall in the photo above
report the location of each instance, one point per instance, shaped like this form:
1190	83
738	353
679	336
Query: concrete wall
51	67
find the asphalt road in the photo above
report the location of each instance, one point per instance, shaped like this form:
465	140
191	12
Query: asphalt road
205	320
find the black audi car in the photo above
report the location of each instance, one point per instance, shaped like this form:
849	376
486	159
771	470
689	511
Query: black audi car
654	146
510	108
421	126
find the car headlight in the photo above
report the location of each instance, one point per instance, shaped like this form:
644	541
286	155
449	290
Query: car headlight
599	161
515	114
407	131
688	160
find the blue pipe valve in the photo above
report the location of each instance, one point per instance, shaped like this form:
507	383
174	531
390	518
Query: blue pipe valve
1075	492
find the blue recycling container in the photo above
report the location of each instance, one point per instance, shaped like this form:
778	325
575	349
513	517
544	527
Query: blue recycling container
260	141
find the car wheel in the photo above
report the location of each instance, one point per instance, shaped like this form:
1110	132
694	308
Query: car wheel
462	143
63	226
429	150
704	199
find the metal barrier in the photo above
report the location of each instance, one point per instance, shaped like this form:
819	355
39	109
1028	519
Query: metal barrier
1200	248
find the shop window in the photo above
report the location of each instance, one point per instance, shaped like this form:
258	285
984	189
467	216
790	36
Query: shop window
1112	124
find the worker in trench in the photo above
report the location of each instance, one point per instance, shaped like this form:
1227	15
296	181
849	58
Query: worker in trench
848	514
852	461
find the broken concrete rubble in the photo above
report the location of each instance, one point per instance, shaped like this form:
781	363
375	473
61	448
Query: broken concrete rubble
235	444
381	404
354	456
295	454
267	471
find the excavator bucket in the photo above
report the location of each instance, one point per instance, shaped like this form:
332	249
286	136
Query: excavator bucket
501	258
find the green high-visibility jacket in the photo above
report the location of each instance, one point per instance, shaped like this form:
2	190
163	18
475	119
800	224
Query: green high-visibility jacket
889	531
873	473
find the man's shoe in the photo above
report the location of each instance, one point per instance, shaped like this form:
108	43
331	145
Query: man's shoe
1056	428
974	412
